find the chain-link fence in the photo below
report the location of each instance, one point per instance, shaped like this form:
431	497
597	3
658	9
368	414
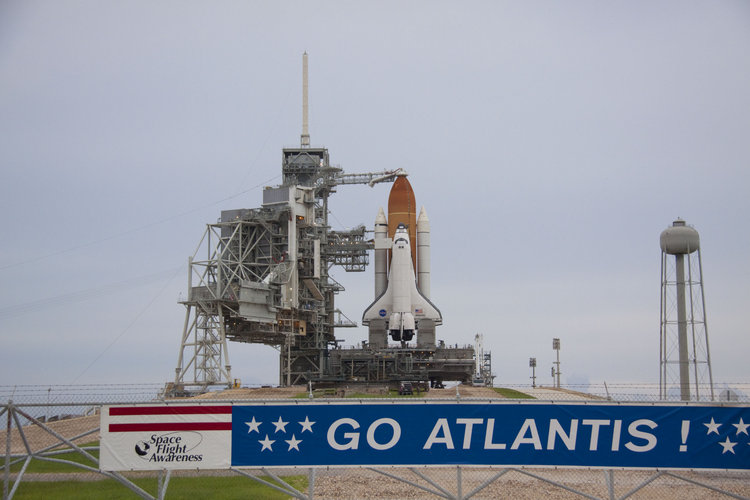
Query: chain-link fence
50	435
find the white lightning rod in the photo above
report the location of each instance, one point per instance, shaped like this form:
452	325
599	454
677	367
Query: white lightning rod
305	139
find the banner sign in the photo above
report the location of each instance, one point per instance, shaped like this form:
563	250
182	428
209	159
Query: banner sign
177	436
439	433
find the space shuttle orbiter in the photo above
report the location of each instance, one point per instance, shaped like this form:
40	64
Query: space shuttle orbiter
402	307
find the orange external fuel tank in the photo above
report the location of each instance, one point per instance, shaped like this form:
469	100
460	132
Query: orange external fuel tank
402	209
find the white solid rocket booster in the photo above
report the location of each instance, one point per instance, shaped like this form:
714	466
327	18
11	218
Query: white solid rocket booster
423	253
382	245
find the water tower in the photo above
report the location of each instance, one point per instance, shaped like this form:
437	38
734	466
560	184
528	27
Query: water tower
684	355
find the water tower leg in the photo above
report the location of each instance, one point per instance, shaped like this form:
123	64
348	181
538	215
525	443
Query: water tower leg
682	337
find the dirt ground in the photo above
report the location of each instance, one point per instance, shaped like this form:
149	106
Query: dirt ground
290	392
255	393
38	438
526	484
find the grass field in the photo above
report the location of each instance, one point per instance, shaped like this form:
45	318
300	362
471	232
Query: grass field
192	488
41	466
512	393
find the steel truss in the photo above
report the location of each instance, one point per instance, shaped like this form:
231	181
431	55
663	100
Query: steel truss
262	276
682	285
48	453
391	366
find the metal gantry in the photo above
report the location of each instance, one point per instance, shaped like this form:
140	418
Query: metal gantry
482	363
262	276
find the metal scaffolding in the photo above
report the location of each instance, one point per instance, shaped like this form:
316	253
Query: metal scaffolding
261	276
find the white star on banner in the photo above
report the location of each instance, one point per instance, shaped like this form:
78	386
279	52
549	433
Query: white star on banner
280	425
293	443
266	443
712	427
253	426
306	425
728	446
742	427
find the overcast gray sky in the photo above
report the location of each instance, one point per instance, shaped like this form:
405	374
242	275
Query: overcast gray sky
550	142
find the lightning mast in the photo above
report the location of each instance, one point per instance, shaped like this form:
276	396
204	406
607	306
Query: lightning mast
305	138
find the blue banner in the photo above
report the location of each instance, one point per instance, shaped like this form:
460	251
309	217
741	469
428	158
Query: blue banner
503	433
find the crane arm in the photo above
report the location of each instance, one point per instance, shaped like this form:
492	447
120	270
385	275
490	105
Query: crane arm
370	178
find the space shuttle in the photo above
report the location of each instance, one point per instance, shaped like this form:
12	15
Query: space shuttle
402	308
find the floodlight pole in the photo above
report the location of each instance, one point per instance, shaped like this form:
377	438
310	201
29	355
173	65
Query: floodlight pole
532	364
556	347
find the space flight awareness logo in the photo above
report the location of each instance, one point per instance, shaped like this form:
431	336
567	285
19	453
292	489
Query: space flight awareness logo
170	447
491	434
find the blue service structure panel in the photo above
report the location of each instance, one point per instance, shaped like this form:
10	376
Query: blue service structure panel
513	434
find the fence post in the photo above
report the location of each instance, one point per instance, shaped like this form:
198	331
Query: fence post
311	484
459	485
609	478
6	476
164	476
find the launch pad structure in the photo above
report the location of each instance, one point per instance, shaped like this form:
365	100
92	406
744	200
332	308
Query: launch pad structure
261	276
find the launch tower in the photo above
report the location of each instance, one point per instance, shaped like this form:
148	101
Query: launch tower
261	275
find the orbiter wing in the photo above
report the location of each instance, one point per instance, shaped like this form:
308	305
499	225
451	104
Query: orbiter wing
421	307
